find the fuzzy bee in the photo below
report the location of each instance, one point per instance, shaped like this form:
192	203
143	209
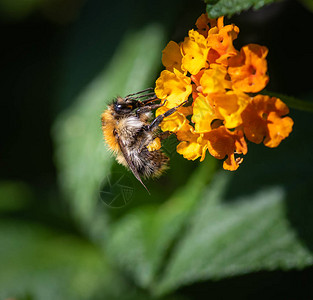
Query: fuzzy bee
128	129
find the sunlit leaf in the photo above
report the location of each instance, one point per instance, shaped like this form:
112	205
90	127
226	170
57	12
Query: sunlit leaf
259	218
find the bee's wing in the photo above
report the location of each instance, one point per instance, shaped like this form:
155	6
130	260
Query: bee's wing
128	160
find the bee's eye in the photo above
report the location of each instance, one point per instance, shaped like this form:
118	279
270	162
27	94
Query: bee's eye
123	108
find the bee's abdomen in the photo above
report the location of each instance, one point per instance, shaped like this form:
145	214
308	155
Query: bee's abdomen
152	164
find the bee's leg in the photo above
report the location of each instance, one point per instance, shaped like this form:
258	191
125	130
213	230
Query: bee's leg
153	98
140	92
137	98
156	122
147	108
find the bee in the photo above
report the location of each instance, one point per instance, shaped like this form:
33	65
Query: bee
128	128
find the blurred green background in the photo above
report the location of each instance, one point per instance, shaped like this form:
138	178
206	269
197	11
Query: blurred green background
70	230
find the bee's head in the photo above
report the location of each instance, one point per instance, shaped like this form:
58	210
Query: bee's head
124	107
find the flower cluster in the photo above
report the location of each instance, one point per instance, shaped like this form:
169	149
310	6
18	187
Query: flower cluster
222	83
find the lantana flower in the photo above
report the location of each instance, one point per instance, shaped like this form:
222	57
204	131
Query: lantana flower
223	112
194	50
174	86
248	68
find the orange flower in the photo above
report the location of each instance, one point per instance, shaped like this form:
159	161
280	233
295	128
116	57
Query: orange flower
229	106
220	40
248	69
207	69
202	24
222	142
263	118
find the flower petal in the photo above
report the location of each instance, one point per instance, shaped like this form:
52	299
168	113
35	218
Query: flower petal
222	143
229	106
263	119
194	50
189	147
220	40
203	114
175	87
172	57
202	25
190	150
214	80
248	68
172	123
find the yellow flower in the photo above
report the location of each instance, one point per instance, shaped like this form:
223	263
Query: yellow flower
214	80
175	121
194	50
203	114
172	57
175	87
190	147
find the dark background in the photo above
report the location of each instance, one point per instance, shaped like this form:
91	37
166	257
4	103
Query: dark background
41	75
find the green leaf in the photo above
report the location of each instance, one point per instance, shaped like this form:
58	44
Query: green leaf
219	8
83	160
308	4
259	218
237	238
140	241
40	263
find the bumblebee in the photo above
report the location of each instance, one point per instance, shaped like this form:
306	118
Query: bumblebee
128	129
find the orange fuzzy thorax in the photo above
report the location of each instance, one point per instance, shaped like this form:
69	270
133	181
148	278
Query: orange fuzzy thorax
108	125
